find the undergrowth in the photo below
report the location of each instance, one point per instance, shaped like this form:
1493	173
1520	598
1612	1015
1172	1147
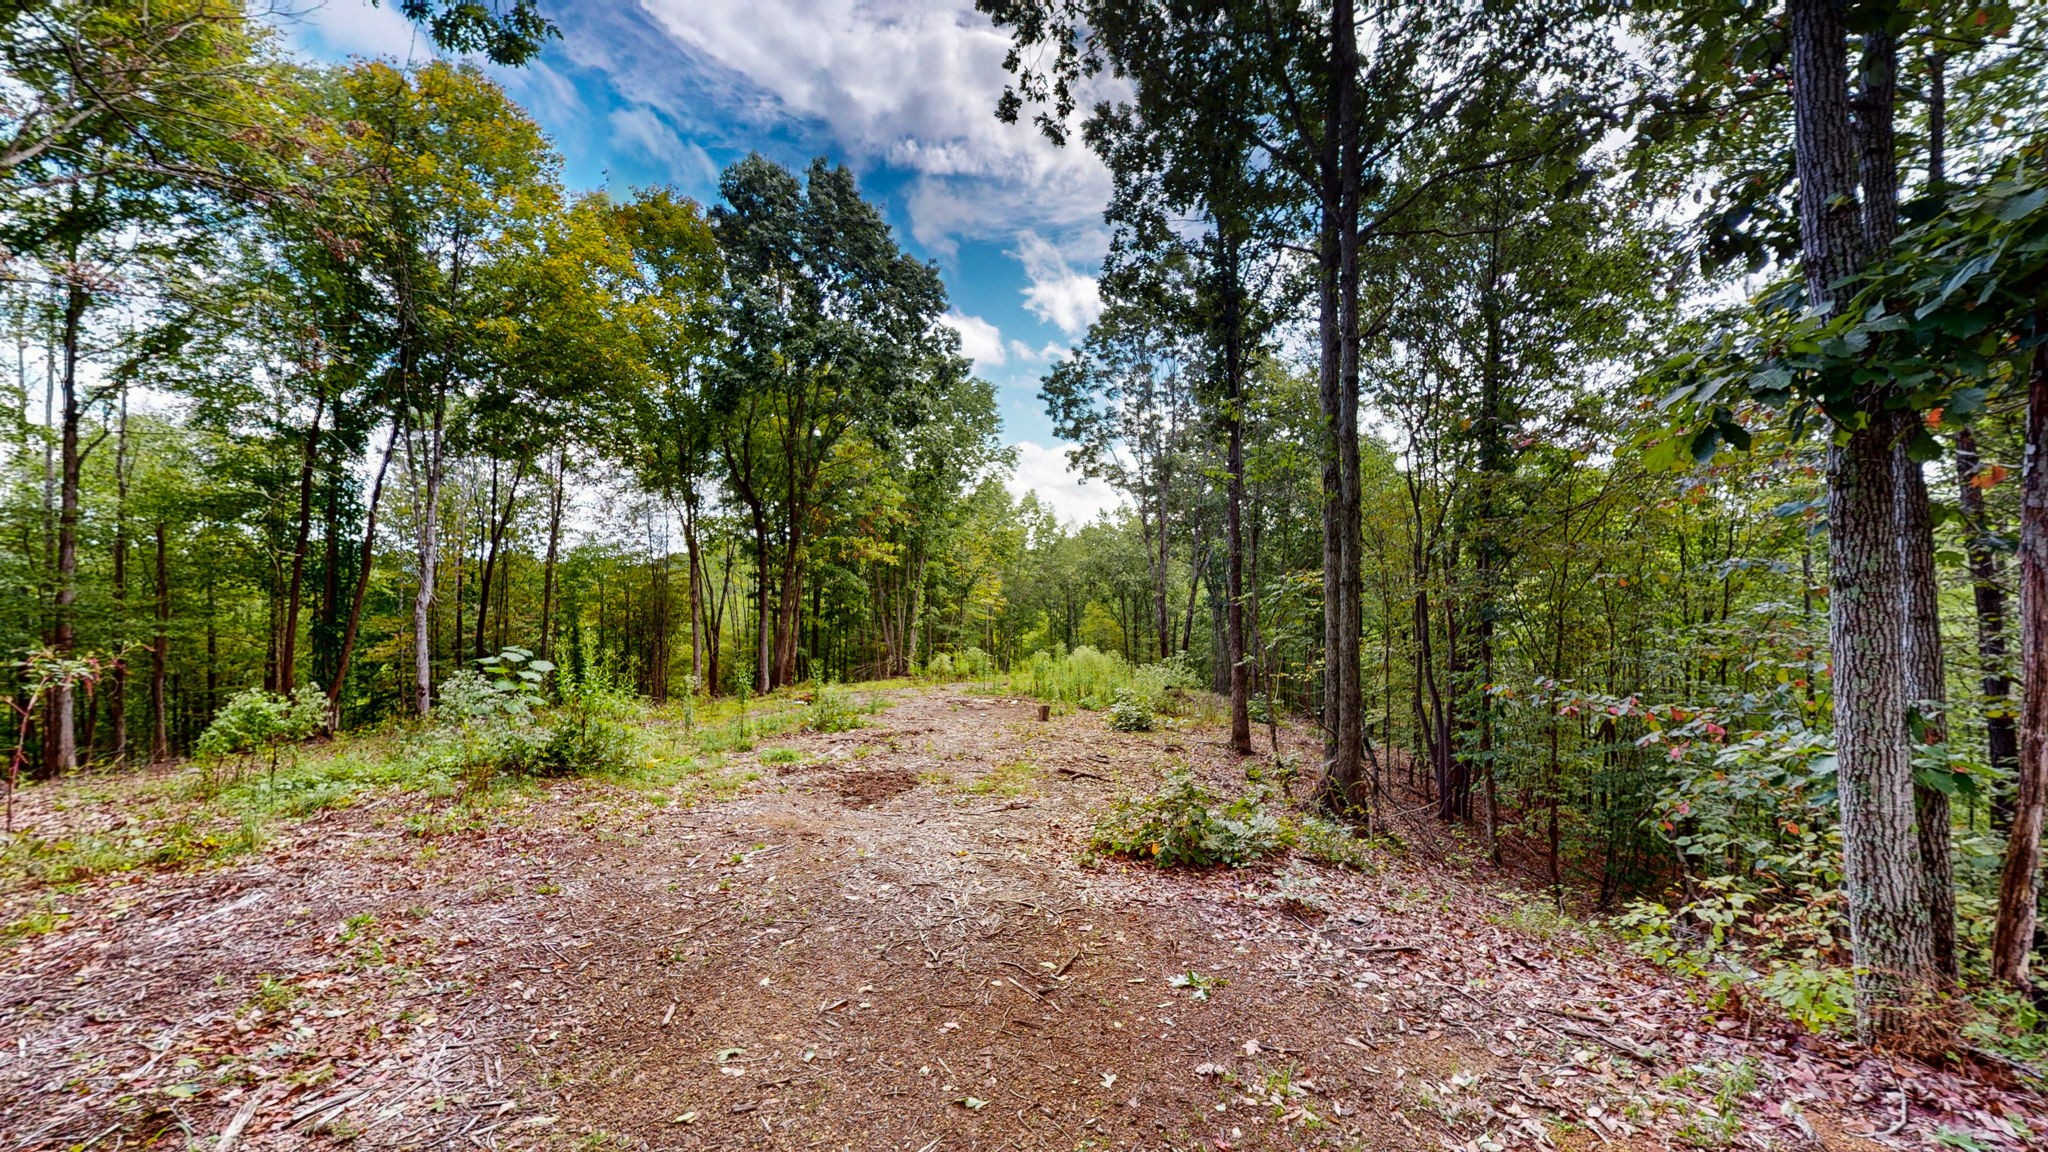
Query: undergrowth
1187	825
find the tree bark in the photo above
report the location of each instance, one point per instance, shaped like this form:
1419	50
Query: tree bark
160	656
64	744
1889	928
362	588
1343	704
499	523
117	700
288	648
1987	590
2019	881
429	558
1926	694
556	494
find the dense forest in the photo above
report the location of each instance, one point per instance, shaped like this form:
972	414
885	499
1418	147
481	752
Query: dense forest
1618	428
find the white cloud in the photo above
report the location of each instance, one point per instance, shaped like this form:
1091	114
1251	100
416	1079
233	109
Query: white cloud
1074	500
357	28
642	129
1051	351
980	341
1057	294
908	83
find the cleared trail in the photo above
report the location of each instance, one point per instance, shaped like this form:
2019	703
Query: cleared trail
887	940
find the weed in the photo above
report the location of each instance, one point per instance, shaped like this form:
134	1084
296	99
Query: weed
1198	985
1186	825
1127	714
274	995
1011	779
780	756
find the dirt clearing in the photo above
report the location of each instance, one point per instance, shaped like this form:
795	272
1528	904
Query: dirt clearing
890	939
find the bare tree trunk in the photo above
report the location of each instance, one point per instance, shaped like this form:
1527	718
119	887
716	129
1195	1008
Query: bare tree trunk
556	491
160	657
1889	930
429	557
63	709
288	649
498	523
1344	738
2019	881
1926	694
117	701
2001	734
362	588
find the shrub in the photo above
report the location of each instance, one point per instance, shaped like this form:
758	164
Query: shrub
256	723
1186	825
832	709
1128	714
587	732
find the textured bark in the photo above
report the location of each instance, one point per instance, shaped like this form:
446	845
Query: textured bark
1831	241
1233	507
1889	926
288	648
1343	702
1987	590
1920	636
1888	920
63	742
2019	882
160	657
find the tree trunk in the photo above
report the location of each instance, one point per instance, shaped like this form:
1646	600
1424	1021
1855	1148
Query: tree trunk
117	700
288	649
362	588
160	656
429	558
1926	695
556	492
2001	735
1344	739
1233	529
2019	882
64	746
497	524
1889	928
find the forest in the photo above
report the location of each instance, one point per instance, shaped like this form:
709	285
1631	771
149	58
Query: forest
1614	433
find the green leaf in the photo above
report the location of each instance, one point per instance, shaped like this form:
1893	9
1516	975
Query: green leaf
1704	442
542	666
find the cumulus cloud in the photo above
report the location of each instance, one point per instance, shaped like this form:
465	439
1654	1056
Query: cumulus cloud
1073	499
357	28
1019	350
907	83
980	341
1057	294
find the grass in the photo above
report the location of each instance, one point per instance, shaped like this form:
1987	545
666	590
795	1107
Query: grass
184	819
1012	779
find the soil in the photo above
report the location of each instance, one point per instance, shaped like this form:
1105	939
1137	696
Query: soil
896	940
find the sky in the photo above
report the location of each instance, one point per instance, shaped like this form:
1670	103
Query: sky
902	92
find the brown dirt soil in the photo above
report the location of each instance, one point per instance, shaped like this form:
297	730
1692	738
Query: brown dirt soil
891	942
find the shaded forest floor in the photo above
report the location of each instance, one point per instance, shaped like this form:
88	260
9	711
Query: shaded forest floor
879	938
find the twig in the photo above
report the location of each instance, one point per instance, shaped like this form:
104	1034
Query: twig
242	1118
1081	774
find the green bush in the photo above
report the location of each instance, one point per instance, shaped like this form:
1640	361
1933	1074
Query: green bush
832	709
586	733
1128	714
255	724
1184	825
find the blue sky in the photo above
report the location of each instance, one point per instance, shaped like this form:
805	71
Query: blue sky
643	92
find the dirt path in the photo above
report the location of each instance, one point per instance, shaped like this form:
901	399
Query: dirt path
887	941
